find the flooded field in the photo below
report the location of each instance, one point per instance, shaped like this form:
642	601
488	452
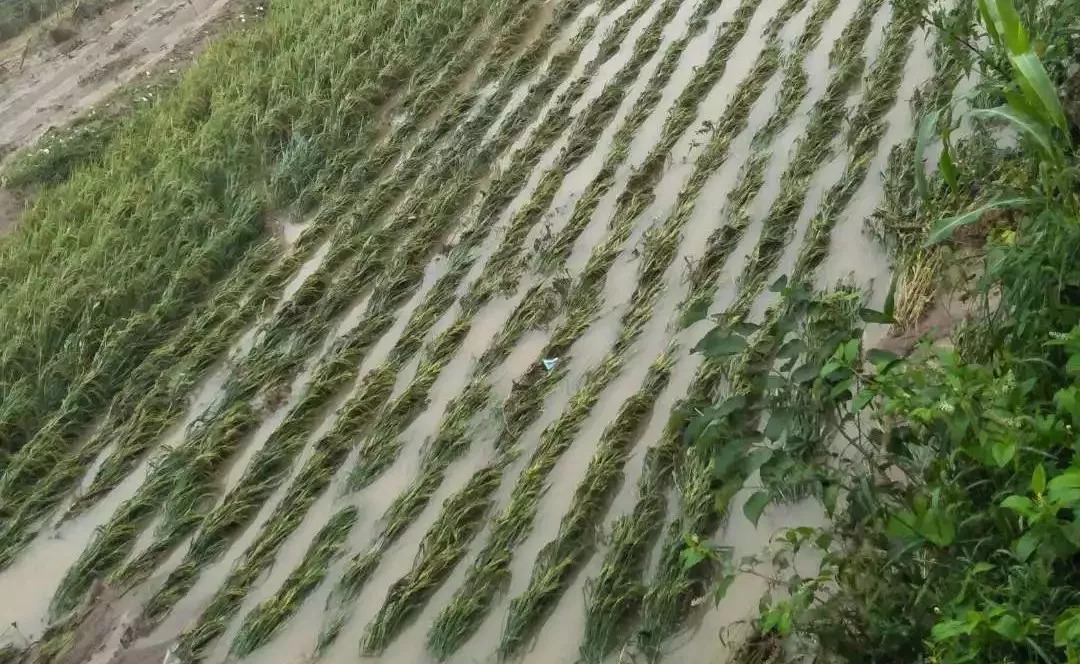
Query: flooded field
432	421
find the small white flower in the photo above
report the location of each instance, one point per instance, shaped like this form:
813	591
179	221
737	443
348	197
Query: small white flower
946	407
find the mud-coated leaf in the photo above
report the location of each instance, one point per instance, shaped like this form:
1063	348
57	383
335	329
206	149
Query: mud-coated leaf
755	505
944	228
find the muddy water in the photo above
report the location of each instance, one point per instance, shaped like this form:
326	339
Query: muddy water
852	250
36	574
693	57
560	637
716	630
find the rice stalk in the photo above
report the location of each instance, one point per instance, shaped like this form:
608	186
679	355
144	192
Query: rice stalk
490	570
561	558
440	550
263	372
270	465
262	623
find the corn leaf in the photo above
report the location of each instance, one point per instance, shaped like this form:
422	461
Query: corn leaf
927	130
944	228
1028	127
1038	88
948	168
1009	26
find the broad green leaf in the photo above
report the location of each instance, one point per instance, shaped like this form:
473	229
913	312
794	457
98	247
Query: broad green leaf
780	284
944	228
861	399
757	459
730	405
1026	545
792	349
805	373
1026	126
881	359
1009	627
1038	479
1003	452
755	505
938	526
779	421
697	310
691	557
927	131
744	328
871	316
950	629
1019	504
1064	489
851	349
1038	88
1067	628
829	368
719	342
840	388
